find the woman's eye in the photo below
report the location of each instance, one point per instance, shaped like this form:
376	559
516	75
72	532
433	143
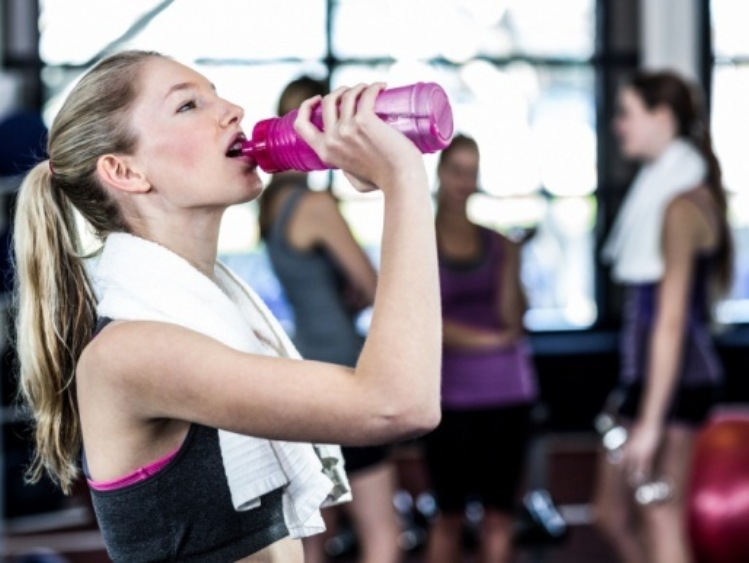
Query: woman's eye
186	106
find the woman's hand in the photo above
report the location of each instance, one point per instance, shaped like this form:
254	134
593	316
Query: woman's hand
371	153
459	336
640	452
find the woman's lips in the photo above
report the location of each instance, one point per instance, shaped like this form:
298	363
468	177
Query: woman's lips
235	148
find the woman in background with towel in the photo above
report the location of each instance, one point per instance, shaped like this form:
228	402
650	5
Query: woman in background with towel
145	150
671	247
328	280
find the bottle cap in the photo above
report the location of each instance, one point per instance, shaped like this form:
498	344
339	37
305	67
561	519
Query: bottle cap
441	122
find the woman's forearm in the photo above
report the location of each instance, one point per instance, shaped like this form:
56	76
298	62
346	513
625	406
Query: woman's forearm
665	353
403	349
671	317
463	337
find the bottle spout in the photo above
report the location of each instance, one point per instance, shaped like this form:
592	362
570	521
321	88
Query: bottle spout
248	148
248	152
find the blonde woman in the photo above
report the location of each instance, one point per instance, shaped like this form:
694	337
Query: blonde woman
144	149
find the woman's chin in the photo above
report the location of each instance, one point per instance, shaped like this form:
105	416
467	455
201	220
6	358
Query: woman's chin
254	190
631	152
252	185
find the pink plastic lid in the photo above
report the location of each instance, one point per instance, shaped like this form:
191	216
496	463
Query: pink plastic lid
441	124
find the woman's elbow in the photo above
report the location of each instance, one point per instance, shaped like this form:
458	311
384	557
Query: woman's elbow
412	421
428	419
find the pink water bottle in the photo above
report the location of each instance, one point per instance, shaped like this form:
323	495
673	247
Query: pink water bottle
420	111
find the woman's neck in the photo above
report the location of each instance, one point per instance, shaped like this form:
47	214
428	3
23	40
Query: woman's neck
194	238
660	147
452	218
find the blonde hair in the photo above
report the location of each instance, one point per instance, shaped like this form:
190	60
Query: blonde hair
56	309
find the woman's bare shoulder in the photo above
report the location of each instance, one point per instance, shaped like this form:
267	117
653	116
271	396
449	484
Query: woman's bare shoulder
319	204
122	348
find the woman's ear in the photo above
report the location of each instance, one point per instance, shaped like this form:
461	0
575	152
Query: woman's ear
118	172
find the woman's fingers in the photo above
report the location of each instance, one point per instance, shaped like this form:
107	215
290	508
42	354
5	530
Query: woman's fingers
637	475
349	101
303	123
354	140
368	97
638	465
330	105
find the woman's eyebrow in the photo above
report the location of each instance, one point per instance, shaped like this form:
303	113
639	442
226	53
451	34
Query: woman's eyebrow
185	86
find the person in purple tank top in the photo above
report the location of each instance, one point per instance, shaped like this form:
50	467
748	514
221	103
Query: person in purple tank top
671	248
488	382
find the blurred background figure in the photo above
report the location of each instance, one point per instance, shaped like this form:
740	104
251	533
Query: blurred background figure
672	249
328	280
488	384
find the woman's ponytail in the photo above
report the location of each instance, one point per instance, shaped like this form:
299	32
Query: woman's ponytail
56	309
56	316
700	135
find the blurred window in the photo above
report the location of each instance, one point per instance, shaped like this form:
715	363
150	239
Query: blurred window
730	128
519	74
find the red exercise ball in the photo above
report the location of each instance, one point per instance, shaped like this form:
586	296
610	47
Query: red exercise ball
718	494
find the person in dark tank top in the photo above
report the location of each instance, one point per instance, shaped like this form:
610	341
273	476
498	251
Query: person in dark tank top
145	151
671	248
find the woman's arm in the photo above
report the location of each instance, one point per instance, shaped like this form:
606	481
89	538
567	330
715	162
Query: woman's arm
156	370
464	337
328	228
511	302
153	371
680	244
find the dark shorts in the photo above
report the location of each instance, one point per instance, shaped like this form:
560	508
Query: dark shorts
478	454
690	405
361	458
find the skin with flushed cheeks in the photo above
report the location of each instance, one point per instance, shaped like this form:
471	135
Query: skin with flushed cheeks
184	130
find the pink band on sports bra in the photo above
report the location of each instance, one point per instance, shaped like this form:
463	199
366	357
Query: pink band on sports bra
135	477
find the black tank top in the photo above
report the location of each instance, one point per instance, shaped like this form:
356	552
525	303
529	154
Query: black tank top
184	512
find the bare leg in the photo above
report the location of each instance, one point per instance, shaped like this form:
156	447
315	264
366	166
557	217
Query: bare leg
614	514
665	523
374	515
412	473
496	537
314	546
445	537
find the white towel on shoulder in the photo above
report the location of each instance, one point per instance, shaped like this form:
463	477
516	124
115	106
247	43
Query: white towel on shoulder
634	247
135	279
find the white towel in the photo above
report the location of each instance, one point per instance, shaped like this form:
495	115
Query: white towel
634	246
135	279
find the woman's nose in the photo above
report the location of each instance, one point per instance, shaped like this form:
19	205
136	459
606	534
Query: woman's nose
232	114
